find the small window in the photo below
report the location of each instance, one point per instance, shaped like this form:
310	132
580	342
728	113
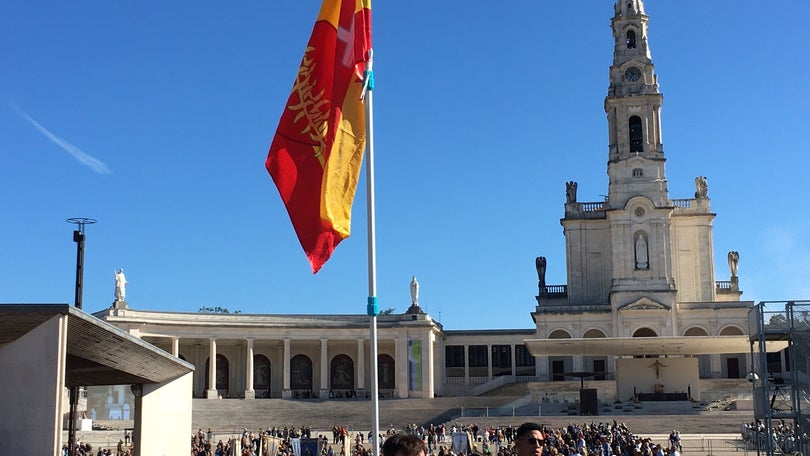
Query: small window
631	39
636	135
638	172
522	356
477	356
454	356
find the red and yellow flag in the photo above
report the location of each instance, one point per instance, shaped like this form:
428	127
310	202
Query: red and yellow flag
317	151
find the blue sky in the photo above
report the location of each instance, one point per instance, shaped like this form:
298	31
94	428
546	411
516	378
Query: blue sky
155	118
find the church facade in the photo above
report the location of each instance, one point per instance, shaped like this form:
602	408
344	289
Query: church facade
639	264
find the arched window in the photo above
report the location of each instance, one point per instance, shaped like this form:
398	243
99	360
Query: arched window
342	373
731	331
645	332
636	134
695	331
385	371
631	39
261	374
593	334
301	373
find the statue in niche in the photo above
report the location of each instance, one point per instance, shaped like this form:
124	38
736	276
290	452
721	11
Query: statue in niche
540	265
642	256
702	187
570	192
733	260
120	285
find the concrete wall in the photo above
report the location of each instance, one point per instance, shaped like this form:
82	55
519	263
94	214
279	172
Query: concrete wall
31	390
676	374
163	418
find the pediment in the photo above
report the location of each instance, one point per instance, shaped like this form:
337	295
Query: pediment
644	304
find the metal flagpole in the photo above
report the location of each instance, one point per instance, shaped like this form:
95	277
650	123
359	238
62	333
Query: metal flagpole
372	308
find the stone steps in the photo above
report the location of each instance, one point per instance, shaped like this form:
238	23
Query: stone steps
230	414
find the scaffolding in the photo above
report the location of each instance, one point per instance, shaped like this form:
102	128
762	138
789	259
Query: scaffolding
781	390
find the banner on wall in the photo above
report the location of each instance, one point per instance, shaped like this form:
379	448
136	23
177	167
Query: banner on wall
415	365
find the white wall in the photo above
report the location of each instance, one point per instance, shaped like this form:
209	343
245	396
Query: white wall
31	390
163	416
676	374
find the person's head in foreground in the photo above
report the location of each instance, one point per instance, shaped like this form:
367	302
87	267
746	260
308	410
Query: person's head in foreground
404	445
529	440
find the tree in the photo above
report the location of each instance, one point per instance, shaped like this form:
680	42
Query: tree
216	310
777	320
388	311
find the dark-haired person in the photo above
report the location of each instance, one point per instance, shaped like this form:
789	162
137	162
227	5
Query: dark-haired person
530	440
403	445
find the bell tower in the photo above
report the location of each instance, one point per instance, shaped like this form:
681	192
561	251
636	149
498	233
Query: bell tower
638	264
633	107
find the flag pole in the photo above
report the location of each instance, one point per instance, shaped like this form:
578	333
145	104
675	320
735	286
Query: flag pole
372	308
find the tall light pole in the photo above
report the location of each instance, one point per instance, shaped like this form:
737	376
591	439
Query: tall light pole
78	238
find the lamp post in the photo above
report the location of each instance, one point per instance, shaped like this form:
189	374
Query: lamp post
78	238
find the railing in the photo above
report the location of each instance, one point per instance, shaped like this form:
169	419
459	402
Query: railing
591	207
723	284
588	210
491	385
466	380
555	290
711	445
682	203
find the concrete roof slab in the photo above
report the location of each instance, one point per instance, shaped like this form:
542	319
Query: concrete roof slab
98	353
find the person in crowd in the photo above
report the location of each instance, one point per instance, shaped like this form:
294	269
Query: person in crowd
530	440
402	444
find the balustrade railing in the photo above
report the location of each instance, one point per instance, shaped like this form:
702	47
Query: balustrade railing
591	207
558	291
682	203
723	284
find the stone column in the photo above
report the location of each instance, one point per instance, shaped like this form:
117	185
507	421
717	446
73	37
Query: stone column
514	360
578	363
401	363
285	383
175	347
489	362
199	379
360	378
211	393
250	393
324	369
716	363
466	364
541	365
427	365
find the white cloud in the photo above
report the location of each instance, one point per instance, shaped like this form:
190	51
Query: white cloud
83	157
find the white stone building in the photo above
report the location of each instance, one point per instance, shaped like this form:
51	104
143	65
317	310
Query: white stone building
639	264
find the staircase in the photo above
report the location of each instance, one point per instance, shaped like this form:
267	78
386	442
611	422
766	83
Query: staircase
227	415
725	389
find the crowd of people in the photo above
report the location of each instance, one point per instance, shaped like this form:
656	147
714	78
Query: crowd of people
586	439
784	434
85	449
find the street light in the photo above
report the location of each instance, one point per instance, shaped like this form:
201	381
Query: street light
78	238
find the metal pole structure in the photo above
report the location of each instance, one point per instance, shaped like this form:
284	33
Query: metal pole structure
762	368
78	238
372	308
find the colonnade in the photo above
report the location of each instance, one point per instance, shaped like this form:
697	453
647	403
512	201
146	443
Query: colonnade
408	361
